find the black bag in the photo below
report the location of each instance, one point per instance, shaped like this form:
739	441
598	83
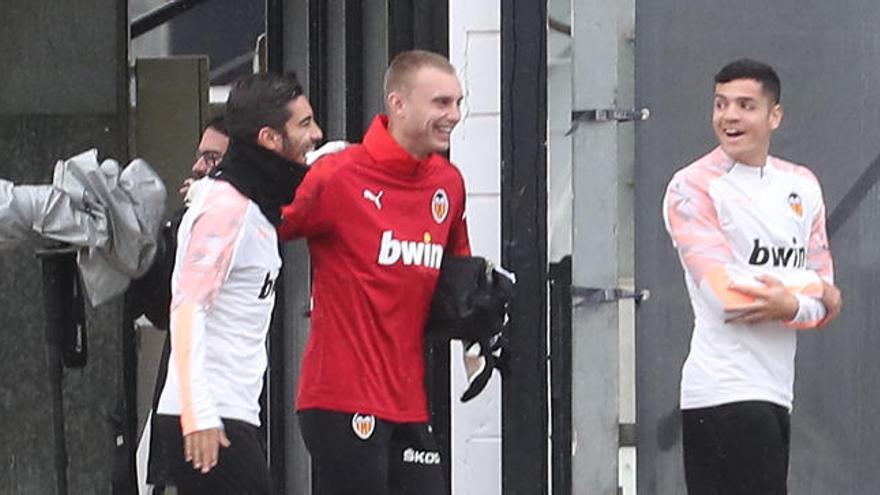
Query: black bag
470	301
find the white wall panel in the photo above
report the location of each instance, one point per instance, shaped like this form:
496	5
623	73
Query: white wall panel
474	15
477	150
475	50
484	225
482	72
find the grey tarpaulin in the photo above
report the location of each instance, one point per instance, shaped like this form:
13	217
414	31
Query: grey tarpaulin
112	215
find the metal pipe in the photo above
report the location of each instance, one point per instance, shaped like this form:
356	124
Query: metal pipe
558	26
525	416
59	269
161	15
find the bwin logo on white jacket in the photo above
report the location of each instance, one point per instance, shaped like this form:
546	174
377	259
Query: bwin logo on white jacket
794	257
410	253
268	287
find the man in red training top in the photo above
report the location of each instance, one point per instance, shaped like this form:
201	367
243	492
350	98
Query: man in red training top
379	217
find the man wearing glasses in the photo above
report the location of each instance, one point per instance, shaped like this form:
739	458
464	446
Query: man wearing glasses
211	149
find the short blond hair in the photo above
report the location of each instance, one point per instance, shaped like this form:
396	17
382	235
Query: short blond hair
407	63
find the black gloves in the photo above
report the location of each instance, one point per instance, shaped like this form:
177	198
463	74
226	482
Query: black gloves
470	304
480	358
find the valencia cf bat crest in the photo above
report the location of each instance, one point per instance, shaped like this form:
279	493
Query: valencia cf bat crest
440	205
363	425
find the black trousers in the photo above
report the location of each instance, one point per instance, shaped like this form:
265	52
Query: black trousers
241	468
740	448
362	455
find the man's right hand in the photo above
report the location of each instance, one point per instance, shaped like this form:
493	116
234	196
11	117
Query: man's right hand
202	448
772	302
326	149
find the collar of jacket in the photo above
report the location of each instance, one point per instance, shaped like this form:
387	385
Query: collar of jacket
265	177
389	154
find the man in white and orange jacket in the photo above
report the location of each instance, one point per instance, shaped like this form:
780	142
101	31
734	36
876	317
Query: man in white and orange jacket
227	261
749	229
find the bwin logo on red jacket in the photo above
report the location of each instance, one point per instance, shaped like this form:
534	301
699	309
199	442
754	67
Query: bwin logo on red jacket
410	253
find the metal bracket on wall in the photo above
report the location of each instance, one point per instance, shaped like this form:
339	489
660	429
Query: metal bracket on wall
627	434
594	295
608	115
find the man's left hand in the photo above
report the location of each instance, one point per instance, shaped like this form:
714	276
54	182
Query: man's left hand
202	448
833	301
773	302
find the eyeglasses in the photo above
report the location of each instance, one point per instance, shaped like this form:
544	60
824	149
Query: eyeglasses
211	158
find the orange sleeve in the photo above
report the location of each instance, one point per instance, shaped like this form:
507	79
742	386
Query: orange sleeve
818	250
205	264
693	225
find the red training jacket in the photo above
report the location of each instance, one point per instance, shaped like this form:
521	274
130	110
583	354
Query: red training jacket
377	222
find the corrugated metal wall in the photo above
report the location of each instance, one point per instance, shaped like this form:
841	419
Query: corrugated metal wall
826	54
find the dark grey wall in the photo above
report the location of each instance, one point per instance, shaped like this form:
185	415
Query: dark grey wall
40	38
224	30
62	90
826	54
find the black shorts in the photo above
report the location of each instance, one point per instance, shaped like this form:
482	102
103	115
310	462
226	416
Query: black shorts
736	449
241	469
355	454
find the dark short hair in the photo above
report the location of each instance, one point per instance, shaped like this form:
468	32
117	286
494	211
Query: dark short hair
746	68
218	123
260	100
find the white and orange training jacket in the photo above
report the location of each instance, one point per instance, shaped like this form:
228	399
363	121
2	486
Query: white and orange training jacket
730	223
223	291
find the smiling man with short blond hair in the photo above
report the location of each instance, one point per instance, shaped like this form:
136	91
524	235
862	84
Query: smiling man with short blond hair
378	218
